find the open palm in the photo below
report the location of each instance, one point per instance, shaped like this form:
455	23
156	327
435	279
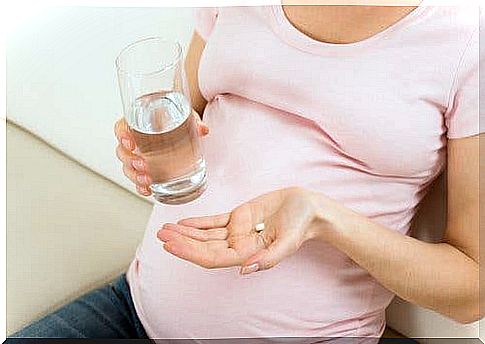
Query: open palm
231	239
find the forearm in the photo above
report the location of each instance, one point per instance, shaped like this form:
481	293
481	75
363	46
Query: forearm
435	276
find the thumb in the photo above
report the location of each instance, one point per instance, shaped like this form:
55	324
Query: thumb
267	258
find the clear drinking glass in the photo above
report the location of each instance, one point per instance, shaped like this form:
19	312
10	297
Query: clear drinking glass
156	105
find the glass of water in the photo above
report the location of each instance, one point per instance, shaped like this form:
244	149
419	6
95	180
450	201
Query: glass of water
156	105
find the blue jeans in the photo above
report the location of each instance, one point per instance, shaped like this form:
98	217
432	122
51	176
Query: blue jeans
107	312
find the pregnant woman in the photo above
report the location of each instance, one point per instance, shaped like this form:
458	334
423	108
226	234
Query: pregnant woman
323	127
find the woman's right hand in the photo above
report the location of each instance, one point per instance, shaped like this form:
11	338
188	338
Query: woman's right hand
134	167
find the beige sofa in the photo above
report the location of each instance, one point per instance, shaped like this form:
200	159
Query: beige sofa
68	229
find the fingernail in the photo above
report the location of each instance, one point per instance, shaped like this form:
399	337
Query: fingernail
143	190
170	248
205	129
138	165
126	143
142	179
168	225
158	239
245	270
161	236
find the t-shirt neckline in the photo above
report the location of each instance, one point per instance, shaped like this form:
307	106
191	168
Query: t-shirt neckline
291	35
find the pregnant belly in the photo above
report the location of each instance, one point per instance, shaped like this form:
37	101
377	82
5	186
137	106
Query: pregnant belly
316	292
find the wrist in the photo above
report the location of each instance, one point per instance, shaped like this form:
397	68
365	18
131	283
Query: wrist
327	217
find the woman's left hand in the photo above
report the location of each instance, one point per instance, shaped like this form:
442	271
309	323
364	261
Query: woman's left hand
232	239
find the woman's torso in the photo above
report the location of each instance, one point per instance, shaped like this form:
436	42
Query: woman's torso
362	123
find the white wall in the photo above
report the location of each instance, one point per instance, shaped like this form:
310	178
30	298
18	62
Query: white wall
61	80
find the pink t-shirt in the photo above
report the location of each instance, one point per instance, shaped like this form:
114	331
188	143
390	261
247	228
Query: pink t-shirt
364	123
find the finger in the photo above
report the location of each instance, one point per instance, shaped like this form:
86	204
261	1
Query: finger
210	255
206	222
122	154
137	178
270	256
143	190
121	128
123	134
198	234
130	173
165	234
129	158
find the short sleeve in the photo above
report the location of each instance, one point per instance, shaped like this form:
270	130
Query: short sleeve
462	118
205	20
